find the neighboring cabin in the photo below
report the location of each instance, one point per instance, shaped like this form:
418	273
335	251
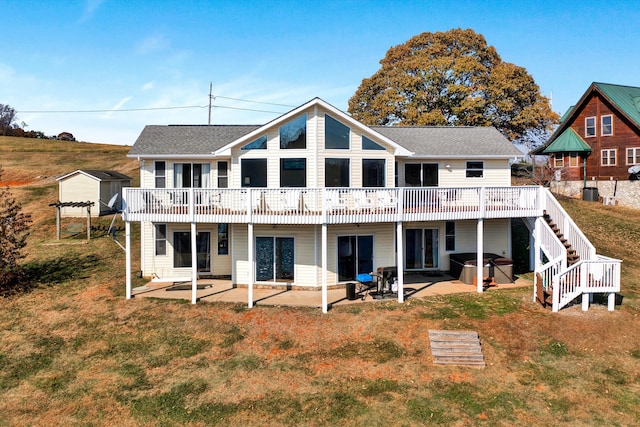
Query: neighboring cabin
97	186
603	128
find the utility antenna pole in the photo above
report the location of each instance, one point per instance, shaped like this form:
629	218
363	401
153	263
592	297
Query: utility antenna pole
210	98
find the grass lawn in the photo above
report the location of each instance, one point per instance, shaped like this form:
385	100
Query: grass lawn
73	351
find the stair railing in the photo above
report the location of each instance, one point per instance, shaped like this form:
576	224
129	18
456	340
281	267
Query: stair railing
572	233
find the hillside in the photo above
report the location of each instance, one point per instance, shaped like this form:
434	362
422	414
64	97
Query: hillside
73	351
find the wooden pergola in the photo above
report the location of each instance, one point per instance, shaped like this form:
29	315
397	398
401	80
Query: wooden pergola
60	205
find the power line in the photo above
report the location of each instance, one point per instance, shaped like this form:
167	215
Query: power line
255	102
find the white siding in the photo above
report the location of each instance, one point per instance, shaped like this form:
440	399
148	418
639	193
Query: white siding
79	188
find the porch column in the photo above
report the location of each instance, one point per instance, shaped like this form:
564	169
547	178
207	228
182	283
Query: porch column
536	254
250	263
400	261
325	299
127	234
194	265
479	253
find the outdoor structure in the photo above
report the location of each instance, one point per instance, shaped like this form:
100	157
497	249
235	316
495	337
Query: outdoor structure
599	137
96	186
314	198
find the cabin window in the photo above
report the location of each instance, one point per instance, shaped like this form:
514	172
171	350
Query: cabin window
450	236
373	171
294	133
336	135
573	160
160	173
606	125
475	169
223	174
368	144
191	175
608	157
558	161
293	172
336	173
258	144
633	156
254	172
590	127
223	239
161	239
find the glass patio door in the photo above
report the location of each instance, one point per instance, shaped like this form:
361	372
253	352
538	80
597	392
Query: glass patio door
182	250
421	174
421	249
355	256
275	259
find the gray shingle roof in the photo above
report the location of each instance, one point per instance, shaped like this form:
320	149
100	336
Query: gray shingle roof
450	141
106	175
186	139
424	141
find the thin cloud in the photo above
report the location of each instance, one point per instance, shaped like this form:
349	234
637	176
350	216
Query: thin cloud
152	44
148	86
116	107
90	7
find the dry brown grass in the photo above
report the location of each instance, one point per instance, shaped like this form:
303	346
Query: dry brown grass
73	351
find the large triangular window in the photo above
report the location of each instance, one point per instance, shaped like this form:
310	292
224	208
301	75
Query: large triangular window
258	144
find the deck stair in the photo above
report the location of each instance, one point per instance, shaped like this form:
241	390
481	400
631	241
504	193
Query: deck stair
572	255
461	348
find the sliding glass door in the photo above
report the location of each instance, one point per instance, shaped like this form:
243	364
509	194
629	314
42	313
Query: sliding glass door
182	250
355	256
421	249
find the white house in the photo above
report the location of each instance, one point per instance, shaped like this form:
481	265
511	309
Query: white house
314	197
97	186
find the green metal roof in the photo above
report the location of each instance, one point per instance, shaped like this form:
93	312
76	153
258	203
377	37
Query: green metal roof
568	141
567	113
626	98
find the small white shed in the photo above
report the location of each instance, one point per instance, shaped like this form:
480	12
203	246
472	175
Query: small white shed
98	186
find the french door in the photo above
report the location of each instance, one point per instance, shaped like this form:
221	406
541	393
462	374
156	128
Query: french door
275	259
355	256
182	250
421	249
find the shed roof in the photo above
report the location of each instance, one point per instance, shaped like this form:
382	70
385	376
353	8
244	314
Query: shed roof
99	174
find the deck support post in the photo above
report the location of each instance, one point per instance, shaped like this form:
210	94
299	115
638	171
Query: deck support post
251	264
536	254
194	264
127	234
400	261
611	301
479	256
325	299
585	301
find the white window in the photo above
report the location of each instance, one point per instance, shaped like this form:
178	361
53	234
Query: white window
573	160
633	156
161	239
590	127
191	175
606	125
608	157
558	161
160	173
475	169
223	175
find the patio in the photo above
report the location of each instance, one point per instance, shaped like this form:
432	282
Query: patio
212	290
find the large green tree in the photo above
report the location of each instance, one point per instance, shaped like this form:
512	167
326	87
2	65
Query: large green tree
453	78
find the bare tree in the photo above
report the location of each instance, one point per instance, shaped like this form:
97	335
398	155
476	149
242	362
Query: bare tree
7	117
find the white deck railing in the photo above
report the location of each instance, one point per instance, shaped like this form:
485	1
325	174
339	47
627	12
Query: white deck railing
329	205
572	233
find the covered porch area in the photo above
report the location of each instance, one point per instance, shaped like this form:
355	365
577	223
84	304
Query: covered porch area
220	290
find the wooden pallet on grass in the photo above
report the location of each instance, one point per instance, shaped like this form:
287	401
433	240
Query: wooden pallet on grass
460	348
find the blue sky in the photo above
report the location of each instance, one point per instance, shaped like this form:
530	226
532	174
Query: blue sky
113	55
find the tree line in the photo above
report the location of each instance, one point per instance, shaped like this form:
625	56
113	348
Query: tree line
9	126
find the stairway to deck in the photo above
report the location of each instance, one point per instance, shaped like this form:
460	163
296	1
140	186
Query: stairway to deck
572	255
